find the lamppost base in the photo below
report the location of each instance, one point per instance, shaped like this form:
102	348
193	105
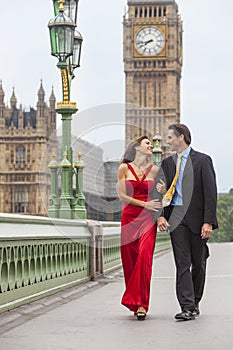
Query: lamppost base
53	213
65	210
65	213
80	213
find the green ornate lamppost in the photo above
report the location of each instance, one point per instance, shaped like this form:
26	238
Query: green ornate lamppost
157	150
66	45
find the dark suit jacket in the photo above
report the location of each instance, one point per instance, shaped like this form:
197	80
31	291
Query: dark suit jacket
199	189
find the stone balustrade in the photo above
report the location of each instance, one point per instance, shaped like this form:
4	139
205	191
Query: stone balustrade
39	256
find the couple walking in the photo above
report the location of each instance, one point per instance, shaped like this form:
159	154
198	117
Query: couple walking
182	195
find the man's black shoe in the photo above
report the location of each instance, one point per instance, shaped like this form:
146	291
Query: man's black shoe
185	316
196	311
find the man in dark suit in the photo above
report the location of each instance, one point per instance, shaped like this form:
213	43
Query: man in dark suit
190	216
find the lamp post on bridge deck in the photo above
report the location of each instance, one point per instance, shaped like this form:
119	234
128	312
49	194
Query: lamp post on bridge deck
66	43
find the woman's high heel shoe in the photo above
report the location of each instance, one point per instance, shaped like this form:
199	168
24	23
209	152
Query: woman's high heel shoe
141	315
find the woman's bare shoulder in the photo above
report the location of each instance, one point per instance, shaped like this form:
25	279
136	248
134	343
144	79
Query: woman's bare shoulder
123	168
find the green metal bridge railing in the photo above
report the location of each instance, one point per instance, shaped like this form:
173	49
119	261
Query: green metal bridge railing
40	256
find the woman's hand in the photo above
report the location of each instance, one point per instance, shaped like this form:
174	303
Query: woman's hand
161	186
162	223
153	205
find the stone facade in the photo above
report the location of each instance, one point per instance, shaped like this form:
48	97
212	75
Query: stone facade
152	73
27	141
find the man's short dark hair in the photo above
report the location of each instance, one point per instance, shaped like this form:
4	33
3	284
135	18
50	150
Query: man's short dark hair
181	129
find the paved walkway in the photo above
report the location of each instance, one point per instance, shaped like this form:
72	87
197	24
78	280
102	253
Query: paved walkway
90	317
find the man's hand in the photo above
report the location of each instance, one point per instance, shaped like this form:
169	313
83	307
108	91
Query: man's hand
206	231
161	186
162	224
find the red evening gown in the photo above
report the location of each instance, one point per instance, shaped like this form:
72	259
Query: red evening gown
138	234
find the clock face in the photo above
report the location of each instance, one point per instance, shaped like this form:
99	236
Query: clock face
149	41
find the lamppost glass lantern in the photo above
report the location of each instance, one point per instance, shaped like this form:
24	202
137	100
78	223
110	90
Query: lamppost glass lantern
75	60
55	7
70	8
157	150
61	30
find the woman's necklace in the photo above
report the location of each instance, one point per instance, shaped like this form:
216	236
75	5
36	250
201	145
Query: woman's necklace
140	168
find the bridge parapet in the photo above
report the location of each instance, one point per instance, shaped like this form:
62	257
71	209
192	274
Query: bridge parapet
40	256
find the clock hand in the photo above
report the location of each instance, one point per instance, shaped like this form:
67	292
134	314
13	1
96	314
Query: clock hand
149	41
141	43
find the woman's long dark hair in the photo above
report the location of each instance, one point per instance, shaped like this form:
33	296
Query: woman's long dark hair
130	151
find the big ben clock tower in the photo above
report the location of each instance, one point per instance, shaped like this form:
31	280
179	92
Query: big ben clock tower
152	62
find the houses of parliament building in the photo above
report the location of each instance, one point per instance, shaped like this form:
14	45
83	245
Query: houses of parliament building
27	141
152	54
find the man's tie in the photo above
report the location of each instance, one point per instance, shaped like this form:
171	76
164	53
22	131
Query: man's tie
167	198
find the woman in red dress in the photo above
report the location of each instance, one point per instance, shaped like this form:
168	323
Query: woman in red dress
138	229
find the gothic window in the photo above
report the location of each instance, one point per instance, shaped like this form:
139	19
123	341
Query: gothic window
20	156
155	12
160	90
140	93
160	12
21	200
164	12
136	12
155	103
12	156
150	12
28	155
140	12
145	94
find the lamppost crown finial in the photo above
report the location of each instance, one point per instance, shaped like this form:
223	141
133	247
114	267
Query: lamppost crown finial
61	5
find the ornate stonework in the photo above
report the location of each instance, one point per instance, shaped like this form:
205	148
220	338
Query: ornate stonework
27	142
152	63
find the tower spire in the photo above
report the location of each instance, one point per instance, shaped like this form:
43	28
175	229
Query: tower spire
2	94
41	93
13	99
52	99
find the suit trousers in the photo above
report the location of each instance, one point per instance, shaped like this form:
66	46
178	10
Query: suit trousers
190	254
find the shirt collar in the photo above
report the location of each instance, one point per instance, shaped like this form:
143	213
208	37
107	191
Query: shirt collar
186	152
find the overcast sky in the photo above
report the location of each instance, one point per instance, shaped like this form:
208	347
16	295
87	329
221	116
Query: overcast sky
98	89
